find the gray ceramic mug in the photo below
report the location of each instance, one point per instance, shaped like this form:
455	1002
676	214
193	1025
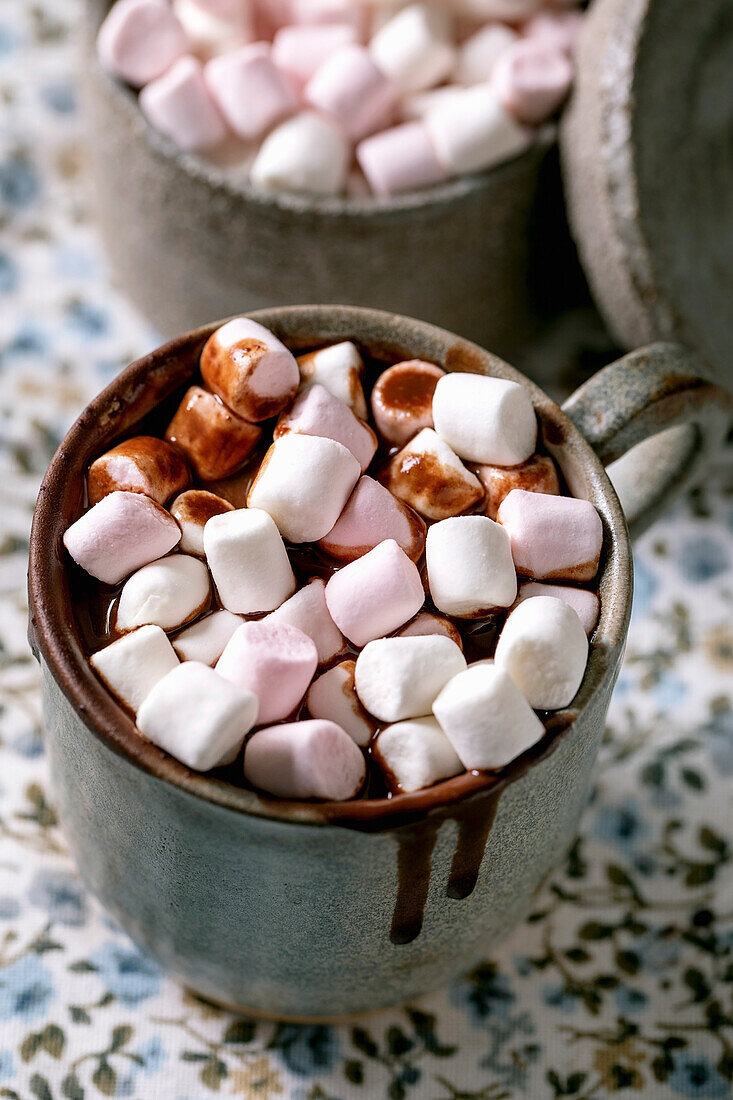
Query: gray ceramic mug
307	910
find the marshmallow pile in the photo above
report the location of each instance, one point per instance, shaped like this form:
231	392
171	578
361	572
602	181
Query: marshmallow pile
328	97
285	574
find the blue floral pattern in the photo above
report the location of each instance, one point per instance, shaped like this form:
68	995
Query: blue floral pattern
621	980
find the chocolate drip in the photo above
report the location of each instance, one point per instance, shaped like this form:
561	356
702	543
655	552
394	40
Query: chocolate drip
414	853
473	832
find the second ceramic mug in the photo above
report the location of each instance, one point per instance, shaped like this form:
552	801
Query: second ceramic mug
308	910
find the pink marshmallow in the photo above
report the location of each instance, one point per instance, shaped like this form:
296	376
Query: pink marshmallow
585	603
428	623
559	29
180	106
300	50
275	661
373	515
139	40
315	411
552	537
400	159
311	759
121	533
307	611
350	88
250	90
375	594
321	12
532	79
333	696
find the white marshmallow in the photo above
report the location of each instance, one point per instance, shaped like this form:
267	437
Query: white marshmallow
192	510
197	716
168	592
399	678
475	132
415	754
429	476
418	105
414	48
303	483
248	561
544	648
476	56
307	610
339	370
470	566
132	666
488	420
333	697
585	602
308	153
486	718
205	640
209	31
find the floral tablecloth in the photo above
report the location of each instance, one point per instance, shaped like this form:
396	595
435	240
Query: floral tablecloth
620	982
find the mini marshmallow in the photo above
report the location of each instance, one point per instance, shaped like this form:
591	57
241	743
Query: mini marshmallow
179	105
488	420
275	661
402	399
142	464
339	369
431	478
425	622
133	665
486	718
139	40
508	11
323	12
477	56
307	610
586	604
371	515
303	483
196	716
414	48
418	105
215	440
248	561
300	50
193	510
250	91
553	538
559	28
118	535
206	640
532	80
307	153
212	27
400	678
470	567
250	369
317	412
168	592
333	697
400	159
312	759
375	594
475	132
350	88
544	648
537	475
415	754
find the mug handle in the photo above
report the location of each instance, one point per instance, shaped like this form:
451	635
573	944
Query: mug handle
660	394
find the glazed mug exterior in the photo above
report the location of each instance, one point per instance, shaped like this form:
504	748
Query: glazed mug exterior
294	909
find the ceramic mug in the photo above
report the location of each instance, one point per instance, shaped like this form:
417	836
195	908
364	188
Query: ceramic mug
307	910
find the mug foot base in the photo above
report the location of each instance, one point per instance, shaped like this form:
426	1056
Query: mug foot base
286	1017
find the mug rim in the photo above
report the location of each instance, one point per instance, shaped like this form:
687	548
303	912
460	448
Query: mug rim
54	634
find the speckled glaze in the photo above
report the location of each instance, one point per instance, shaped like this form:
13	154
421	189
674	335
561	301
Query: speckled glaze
286	908
648	168
187	246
